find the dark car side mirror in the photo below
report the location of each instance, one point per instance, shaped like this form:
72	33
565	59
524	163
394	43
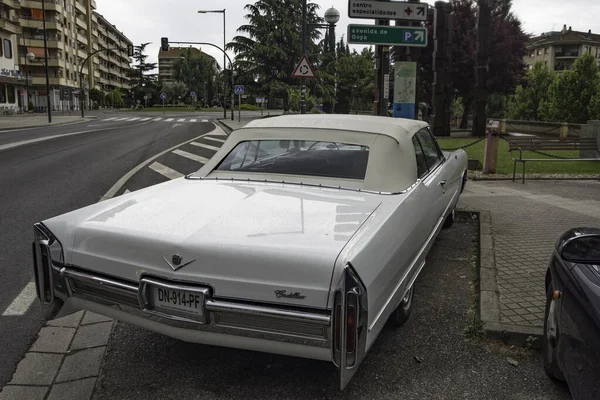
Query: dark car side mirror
584	249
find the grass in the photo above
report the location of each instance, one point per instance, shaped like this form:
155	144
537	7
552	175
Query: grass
505	164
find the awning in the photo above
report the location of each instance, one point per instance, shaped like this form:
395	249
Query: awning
38	51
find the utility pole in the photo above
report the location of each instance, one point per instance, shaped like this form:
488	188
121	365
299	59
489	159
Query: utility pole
382	66
304	40
481	67
46	61
442	59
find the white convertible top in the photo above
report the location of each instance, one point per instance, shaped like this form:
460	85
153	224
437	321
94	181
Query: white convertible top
399	129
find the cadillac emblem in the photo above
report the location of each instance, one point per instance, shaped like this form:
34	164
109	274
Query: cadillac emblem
176	262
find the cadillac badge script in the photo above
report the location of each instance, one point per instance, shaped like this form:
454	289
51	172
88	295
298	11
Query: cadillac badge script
283	293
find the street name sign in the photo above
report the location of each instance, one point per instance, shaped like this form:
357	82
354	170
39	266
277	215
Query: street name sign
372	9
303	69
387	35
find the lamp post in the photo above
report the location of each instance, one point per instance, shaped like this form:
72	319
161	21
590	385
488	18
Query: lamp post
28	57
224	59
46	60
332	16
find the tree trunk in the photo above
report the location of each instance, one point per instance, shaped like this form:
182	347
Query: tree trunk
466	110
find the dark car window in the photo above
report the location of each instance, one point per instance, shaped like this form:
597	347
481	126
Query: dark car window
298	157
430	148
421	162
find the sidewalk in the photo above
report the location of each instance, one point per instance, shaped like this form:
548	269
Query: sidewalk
40	120
233	125
519	227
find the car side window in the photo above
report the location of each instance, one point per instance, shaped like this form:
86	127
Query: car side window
430	148
421	162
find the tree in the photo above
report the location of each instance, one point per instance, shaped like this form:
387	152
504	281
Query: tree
270	44
196	72
525	104
139	75
174	91
573	96
96	95
356	79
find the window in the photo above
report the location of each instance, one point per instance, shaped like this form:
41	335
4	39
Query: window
10	92
7	48
1	52
2	93
298	157
430	148
546	50
421	162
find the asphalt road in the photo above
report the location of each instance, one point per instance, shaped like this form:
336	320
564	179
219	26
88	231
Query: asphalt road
429	358
48	178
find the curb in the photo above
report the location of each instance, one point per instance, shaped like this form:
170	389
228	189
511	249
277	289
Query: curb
85	119
534	177
489	295
223	126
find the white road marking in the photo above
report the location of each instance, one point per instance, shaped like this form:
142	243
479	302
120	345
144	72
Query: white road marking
215	139
204	120
22	302
206	146
181	120
193	120
191	156
176	125
169	119
117	186
133	119
157	119
165	171
120	119
146	119
109	119
127	191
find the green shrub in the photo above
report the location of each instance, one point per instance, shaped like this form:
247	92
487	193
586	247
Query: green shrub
249	107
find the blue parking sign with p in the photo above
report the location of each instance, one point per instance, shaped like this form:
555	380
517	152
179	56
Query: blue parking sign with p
239	89
408	37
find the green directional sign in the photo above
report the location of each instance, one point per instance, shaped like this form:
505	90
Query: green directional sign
387	35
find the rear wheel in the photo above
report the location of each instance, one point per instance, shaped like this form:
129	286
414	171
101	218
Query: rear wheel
402	312
550	339
449	220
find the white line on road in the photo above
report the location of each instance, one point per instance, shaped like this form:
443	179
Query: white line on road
157	119
206	146
146	119
120	119
191	156
127	191
204	120
165	171
133	119
181	120
109	119
22	302
215	139
193	120
169	119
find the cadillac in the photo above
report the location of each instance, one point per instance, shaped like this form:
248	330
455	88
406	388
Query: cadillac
302	236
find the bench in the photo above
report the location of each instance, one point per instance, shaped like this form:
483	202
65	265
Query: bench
538	144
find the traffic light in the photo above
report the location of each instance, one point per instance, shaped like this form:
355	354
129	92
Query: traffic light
164	44
130	50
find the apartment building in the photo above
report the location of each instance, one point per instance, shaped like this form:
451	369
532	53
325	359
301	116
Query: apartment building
11	81
167	58
559	49
74	30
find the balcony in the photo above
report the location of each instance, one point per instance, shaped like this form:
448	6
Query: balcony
81	23
53	5
41	80
94	18
82	39
566	54
80	7
95	46
11	3
9	25
51	23
53	61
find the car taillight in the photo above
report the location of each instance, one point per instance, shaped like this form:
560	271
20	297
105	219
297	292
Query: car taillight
351	326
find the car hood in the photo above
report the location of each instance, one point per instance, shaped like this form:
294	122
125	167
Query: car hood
247	241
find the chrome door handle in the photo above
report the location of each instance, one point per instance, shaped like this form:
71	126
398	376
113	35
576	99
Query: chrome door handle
442	183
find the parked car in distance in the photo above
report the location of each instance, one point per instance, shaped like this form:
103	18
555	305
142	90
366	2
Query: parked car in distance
571	341
302	236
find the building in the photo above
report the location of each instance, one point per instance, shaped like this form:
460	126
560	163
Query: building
559	50
12	83
167	58
74	30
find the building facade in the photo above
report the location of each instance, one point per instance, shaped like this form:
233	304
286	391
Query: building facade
559	50
74	30
167	58
11	80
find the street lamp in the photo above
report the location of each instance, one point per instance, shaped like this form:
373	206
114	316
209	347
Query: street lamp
28	57
46	60
224	59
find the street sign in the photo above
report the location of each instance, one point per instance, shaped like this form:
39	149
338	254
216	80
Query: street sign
193	94
146	97
260	99
303	69
371	9
163	95
239	89
387	35
405	89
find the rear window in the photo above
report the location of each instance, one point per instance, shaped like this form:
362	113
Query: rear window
298	157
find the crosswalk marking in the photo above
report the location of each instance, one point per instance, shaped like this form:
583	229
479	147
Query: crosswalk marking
157	119
193	120
169	119
206	146
181	120
120	119
165	171
127	191
214	139
204	120
22	302
133	119
109	119
191	156
145	119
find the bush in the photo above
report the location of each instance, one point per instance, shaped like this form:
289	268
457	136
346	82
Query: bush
249	107
30	105
139	107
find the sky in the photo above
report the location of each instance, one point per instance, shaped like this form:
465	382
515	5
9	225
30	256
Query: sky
149	20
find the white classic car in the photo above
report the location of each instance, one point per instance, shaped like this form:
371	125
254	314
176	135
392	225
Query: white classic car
302	236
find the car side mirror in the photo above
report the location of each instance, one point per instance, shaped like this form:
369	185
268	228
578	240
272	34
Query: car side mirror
584	249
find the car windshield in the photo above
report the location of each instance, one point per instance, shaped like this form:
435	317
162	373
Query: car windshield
298	157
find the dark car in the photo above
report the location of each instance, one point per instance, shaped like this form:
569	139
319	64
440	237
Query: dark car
572	323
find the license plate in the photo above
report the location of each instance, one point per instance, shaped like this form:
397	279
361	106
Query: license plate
177	302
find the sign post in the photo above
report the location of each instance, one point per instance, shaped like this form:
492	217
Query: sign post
387	35
239	90
163	96
193	96
405	89
146	101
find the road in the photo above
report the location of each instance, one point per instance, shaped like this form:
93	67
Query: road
428	358
75	168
